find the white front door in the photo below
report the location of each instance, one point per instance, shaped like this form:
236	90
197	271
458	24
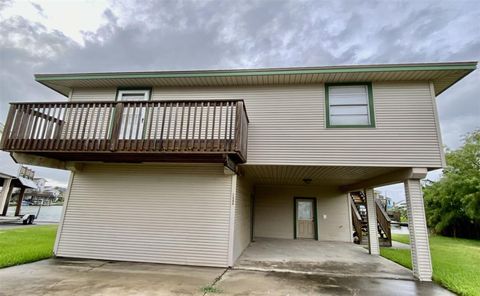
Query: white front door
133	119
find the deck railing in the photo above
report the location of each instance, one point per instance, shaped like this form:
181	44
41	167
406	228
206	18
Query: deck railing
190	126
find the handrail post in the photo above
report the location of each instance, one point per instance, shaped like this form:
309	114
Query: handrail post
116	126
7	127
238	126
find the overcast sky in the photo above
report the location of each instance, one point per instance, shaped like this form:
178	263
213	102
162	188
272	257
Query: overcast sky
86	36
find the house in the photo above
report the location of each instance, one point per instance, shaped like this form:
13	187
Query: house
188	167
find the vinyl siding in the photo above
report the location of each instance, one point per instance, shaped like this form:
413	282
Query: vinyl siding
146	213
93	94
288	126
242	216
274	210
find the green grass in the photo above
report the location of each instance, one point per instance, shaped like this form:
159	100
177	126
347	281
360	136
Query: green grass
26	244
210	289
456	262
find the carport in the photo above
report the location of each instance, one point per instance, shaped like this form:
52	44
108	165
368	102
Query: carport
317	257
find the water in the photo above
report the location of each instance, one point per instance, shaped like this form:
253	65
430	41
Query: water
47	213
399	229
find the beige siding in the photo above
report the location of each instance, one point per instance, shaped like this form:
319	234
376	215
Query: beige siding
93	94
147	213
242	216
274	212
287	125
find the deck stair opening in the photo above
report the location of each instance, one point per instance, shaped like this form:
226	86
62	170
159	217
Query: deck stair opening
358	202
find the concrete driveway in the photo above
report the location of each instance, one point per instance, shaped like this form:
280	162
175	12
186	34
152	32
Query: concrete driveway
91	277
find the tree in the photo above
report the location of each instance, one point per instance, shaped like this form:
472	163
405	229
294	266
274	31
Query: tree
452	204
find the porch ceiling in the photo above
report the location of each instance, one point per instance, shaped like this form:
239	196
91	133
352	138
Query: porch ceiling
320	175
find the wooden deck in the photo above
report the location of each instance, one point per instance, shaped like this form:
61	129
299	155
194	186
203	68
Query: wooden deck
130	131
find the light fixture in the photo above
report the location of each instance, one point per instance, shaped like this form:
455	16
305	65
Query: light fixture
307	181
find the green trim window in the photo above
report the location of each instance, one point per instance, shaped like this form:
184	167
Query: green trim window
349	105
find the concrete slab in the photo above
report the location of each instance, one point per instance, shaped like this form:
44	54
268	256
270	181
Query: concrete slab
58	277
399	245
314	257
241	282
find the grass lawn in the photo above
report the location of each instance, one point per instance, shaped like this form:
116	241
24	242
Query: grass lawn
26	244
456	262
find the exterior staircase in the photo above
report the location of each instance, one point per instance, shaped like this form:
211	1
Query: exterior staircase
358	202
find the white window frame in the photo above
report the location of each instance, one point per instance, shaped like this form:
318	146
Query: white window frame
122	92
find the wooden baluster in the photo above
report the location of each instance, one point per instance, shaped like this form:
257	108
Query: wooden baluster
26	134
165	105
187	138
55	126
205	140
116	126
50	124
128	125
219	125
138	111
167	140
46	127
150	109
16	125
40	127
19	124
157	119
79	126
230	140
67	126
225	135
200	127
177	105
88	126
45	124
192	147
97	108
8	128
212	144
84	140
34	127
181	127
22	127
155	110
106	125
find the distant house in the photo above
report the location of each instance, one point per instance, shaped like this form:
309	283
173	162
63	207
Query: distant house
188	167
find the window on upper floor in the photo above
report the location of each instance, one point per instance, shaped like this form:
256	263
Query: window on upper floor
133	95
349	105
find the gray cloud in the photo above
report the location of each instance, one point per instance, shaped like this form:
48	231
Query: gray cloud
160	35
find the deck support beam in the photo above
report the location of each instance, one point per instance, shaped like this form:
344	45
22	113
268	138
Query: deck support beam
5	195
373	243
19	201
417	227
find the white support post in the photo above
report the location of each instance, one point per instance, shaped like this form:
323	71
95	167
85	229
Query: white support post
417	226
66	199
231	240
373	244
4	195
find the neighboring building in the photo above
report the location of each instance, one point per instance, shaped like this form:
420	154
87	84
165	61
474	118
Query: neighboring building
401	204
40	183
188	167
